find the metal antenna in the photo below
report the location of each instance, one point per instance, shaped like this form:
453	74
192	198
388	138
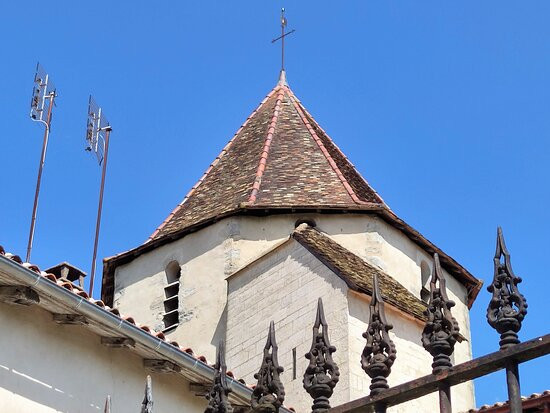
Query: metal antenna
42	101
282	37
98	130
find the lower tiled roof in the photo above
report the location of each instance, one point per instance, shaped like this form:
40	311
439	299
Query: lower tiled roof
357	272
536	402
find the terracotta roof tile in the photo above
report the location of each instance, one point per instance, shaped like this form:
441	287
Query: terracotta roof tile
533	403
279	157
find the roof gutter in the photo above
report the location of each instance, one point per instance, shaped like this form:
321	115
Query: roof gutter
45	287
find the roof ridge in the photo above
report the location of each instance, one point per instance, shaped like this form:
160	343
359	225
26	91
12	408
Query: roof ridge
340	151
324	150
267	145
214	162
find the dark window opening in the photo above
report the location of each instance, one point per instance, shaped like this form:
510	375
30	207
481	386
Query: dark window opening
170	320
309	221
294	363
171	296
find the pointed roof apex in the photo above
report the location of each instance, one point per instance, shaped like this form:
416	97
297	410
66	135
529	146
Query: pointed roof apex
282	79
279	158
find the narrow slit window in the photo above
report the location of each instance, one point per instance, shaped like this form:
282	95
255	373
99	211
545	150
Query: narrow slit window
171	296
294	363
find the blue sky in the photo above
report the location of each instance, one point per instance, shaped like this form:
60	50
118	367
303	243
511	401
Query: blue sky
443	106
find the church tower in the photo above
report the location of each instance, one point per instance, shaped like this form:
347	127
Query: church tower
279	219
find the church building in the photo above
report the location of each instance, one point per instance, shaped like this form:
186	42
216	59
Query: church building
280	219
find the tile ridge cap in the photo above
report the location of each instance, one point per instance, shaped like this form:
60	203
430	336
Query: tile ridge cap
324	150
267	145
342	153
214	162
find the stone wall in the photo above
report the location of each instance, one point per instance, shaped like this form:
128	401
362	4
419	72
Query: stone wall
284	287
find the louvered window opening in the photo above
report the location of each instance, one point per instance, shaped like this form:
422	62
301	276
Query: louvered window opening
171	294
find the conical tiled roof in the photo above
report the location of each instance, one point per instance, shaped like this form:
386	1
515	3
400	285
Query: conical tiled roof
279	158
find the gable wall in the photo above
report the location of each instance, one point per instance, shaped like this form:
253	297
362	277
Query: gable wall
45	367
284	287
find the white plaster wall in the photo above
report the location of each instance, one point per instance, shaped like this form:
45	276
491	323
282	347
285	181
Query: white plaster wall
45	367
377	242
206	257
214	252
284	287
412	360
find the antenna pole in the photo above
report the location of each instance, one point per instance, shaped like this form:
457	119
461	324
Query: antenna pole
99	208
39	179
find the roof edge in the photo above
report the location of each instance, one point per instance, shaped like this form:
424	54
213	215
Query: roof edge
298	238
214	162
472	284
324	151
337	148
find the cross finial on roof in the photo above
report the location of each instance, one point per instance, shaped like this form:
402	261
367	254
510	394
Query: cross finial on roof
282	38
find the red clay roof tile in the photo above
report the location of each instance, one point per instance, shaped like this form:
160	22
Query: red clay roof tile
279	157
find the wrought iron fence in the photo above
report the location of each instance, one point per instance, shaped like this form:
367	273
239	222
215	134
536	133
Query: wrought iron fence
505	313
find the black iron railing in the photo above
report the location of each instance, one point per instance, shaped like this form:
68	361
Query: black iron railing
505	314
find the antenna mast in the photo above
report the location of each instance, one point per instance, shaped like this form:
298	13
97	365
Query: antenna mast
42	102
98	130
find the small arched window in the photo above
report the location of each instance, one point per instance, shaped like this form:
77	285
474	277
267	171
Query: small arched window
309	221
425	277
171	296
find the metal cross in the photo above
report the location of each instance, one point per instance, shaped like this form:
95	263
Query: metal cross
282	37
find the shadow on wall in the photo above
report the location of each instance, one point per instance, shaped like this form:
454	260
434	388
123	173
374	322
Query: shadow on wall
45	393
221	328
404	327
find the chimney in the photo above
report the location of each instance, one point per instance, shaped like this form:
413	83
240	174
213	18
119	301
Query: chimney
68	271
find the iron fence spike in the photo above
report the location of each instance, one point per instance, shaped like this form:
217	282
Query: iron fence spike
322	373
379	353
269	393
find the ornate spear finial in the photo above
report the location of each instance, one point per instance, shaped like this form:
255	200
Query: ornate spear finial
507	307
269	393
322	374
379	352
218	401
441	330
107	405
147	404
